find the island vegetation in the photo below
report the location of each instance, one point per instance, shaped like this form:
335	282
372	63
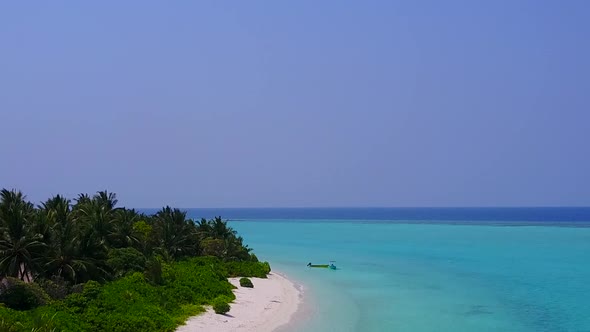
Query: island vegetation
89	265
245	282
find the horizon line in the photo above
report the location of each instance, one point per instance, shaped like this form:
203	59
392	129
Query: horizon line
386	207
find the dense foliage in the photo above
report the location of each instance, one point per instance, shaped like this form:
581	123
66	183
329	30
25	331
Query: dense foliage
220	305
20	295
245	282
93	266
248	269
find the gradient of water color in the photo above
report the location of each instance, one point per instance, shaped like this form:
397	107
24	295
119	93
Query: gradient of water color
431	276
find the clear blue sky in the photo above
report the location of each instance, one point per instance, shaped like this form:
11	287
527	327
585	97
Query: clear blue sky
298	103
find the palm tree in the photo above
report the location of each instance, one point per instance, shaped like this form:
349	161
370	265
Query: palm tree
80	236
221	240
82	199
221	230
97	217
143	233
176	237
122	233
53	218
20	246
106	199
59	205
63	257
72	242
215	228
72	261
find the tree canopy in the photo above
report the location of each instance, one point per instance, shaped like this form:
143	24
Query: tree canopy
90	265
80	240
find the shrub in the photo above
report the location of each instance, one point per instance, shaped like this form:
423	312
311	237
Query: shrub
44	323
245	282
92	289
154	271
77	288
248	269
197	281
129	303
225	298
185	312
18	295
56	288
54	318
125	260
266	267
7	326
10	320
76	303
213	247
220	305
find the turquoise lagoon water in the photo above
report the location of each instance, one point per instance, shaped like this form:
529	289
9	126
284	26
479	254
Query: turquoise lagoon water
431	276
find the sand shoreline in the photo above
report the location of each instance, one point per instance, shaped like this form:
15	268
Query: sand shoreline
271	304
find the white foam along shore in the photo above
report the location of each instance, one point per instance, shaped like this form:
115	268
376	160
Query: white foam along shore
270	304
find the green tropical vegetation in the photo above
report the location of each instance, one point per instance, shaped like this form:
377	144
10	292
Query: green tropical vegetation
245	282
89	265
221	305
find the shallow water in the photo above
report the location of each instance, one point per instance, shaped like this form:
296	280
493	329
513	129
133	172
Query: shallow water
431	277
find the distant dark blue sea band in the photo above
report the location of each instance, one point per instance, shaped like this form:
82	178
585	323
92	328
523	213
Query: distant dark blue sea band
563	216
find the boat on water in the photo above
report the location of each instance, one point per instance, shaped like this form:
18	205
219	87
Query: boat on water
331	266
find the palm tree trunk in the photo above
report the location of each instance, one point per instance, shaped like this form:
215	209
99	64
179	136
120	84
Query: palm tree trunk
21	272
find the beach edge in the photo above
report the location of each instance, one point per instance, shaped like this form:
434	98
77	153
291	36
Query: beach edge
271	304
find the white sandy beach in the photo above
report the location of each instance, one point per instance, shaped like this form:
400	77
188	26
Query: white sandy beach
270	304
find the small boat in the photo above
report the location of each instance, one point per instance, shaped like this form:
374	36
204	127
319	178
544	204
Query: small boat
331	266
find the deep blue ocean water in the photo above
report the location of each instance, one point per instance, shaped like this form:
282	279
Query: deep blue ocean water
510	216
518	269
